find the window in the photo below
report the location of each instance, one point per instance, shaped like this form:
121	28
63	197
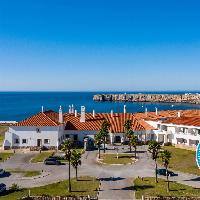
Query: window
24	141
75	137
66	136
37	130
16	141
46	141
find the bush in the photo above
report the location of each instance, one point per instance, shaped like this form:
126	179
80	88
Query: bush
168	144
14	187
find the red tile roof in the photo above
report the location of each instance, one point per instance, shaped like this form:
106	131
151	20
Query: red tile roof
47	118
116	122
167	114
187	121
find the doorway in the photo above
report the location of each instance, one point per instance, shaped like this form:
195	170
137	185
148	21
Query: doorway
39	142
117	139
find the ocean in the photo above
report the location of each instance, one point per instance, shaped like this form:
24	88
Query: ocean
20	105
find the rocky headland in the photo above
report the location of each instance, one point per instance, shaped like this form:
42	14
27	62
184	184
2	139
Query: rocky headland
188	98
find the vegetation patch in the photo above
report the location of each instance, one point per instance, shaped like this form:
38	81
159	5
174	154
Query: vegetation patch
40	157
182	160
148	187
25	172
112	158
3	129
4	156
83	187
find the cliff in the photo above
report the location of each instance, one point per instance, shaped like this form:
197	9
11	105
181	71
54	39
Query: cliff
157	98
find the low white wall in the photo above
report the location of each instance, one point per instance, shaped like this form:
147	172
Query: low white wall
31	135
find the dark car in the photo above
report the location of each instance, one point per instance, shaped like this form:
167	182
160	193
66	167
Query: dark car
2	187
52	161
163	172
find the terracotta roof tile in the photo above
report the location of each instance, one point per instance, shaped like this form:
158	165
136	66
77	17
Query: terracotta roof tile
188	121
116	122
48	118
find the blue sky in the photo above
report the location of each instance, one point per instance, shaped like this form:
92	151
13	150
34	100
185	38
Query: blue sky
105	45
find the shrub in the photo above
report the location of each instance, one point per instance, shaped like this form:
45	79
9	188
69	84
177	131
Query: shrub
168	144
14	187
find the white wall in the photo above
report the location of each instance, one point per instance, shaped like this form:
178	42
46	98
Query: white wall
81	134
29	133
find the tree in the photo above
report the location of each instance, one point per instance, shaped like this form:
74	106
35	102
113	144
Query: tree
67	148
133	141
98	142
128	124
166	156
154	149
128	130
104	132
76	160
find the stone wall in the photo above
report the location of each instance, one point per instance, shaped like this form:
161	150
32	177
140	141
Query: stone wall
58	198
171	198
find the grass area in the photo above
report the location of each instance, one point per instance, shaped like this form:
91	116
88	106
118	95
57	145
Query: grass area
83	187
112	158
4	156
148	187
25	172
182	160
3	129
40	157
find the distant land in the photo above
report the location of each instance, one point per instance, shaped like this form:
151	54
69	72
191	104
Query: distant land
189	98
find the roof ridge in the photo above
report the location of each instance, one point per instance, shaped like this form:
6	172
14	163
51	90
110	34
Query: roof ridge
50	118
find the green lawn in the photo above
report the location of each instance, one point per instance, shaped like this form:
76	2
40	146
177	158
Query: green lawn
5	156
3	129
40	157
112	158
24	172
183	160
83	187
148	187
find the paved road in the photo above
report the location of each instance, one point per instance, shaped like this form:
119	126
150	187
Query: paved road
116	181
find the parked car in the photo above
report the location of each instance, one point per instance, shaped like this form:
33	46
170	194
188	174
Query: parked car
2	171
2	187
52	161
163	172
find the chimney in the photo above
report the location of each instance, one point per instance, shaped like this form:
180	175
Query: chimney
82	119
179	114
156	111
124	109
75	113
93	113
42	109
70	109
60	115
146	111
111	113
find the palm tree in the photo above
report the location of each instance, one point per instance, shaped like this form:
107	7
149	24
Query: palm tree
128	124
154	149
133	141
76	160
104	132
166	156
98	142
67	148
128	130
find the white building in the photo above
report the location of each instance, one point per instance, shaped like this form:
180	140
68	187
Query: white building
177	127
50	129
